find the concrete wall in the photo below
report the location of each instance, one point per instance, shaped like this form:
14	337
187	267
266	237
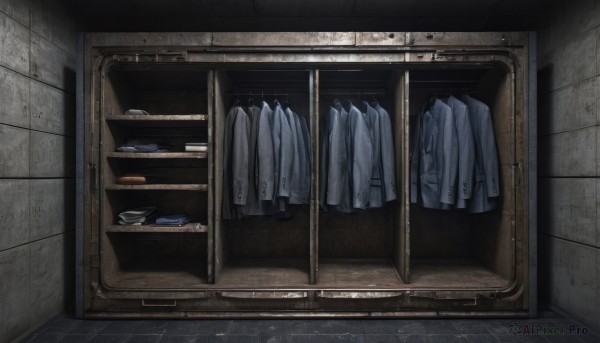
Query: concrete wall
37	78
569	145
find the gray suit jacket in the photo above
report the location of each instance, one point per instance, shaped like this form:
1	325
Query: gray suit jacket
360	158
296	194
235	162
376	190
283	147
338	159
266	157
486	189
434	161
305	158
388	159
466	151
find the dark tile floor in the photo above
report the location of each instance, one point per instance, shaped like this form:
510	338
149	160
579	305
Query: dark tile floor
549	327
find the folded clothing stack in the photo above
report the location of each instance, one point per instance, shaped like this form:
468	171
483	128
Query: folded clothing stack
143	147
196	146
137	216
173	219
138	179
135	112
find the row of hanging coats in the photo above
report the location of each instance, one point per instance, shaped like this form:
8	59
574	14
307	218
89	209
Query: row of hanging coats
266	162
357	160
454	159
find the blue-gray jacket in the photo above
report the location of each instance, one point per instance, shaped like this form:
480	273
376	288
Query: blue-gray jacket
486	189
266	155
434	160
388	157
360	158
283	146
235	162
466	151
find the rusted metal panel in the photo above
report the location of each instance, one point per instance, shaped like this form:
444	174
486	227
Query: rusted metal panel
263	295
380	38
489	39
330	57
145	39
358	295
287	39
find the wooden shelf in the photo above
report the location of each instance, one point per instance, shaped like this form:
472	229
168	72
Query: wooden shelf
158	155
190	227
159	187
164	273
170	120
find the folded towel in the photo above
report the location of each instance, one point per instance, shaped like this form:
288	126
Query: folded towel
137	216
134	112
138	179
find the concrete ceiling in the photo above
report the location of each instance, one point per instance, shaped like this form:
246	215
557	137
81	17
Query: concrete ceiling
308	15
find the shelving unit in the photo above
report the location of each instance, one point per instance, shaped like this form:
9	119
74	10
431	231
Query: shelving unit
153	256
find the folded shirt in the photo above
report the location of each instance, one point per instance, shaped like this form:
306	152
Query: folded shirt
138	179
135	112
152	147
172	219
137	216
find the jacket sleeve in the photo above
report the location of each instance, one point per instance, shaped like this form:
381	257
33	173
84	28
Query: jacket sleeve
286	156
240	159
388	157
337	161
466	154
449	141
490	155
323	159
266	162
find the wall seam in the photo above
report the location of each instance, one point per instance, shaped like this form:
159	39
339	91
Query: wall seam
568	240
37	240
567	131
34	79
575	83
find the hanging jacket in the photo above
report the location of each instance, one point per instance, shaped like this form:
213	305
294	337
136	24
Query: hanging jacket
486	189
376	186
295	195
337	172
266	155
235	162
387	160
466	151
283	146
305	158
360	158
434	160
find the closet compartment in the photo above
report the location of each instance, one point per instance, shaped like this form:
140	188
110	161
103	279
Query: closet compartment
260	251
455	249
171	104
363	249
154	260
